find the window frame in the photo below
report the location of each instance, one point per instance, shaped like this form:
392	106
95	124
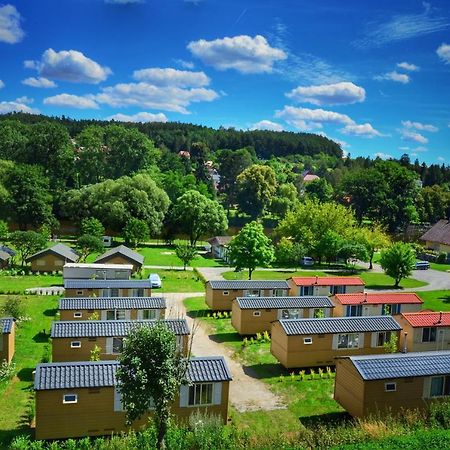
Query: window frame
226	293
350	308
307	340
121	339
75	344
390	383
200	387
70	402
257	313
287	313
347	347
148	310
445	389
430	332
77	314
387	337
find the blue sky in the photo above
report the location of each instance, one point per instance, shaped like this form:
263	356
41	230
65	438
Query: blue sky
372	75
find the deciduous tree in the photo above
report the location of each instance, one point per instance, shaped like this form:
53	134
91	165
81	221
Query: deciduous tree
398	261
92	227
87	244
27	243
136	231
186	253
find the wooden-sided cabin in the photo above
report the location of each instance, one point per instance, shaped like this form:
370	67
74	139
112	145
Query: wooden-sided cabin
75	340
5	259
86	271
425	331
251	315
437	238
81	399
112	308
221	293
325	285
316	342
7	338
122	255
52	258
108	288
375	303
391	383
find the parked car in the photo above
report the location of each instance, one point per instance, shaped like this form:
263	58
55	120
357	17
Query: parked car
422	265
155	279
307	261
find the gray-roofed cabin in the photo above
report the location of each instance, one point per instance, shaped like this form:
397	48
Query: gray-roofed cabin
221	293
316	342
219	246
108	288
80	399
122	255
437	238
251	315
86	271
112	308
75	340
391	383
5	258
7	338
52	258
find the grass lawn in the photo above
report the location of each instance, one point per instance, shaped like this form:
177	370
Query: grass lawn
435	300
309	398
440	267
18	284
372	280
176	281
16	395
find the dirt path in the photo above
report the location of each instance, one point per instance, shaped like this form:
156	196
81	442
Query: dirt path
246	392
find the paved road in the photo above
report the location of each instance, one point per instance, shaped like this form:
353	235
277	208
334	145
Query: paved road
247	393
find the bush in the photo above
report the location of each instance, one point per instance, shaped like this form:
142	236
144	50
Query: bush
13	307
442	258
6	370
439	414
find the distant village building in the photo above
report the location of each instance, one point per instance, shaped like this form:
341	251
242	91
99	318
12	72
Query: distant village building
325	285
122	255
390	383
219	246
438	237
80	271
81	399
52	258
308	176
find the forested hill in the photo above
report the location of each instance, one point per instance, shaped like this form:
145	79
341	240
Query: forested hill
179	136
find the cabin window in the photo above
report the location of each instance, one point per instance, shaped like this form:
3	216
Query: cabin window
440	386
70	398
115	314
354	311
117	345
225	293
253	293
201	394
338	289
306	290
429	334
290	313
307	340
139	292
114	292
350	340
383	338
77	314
390	387
40	262
79	292
257	313
75	344
389	310
149	314
278	292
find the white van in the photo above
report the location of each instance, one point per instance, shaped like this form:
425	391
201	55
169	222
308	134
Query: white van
307	261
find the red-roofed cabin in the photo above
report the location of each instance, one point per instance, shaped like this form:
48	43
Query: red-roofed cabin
375	304
425	331
300	286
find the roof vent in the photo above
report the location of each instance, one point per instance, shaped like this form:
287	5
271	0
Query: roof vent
440	318
365	297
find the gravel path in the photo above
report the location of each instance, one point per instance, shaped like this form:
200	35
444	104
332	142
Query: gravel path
247	393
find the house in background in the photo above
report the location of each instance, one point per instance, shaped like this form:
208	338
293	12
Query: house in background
325	285
425	331
308	176
221	293
81	399
7	338
251	315
52	258
122	255
112	308
437	238
4	259
219	246
108	288
83	271
316	342
375	304
75	340
391	383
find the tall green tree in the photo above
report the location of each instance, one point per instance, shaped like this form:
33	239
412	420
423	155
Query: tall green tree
256	186
197	216
374	238
150	375
251	248
136	231
87	244
320	190
288	253
27	243
13	140
398	261
284	199
92	227
185	253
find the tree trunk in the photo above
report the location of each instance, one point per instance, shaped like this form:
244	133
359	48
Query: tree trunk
370	262
162	429
250	271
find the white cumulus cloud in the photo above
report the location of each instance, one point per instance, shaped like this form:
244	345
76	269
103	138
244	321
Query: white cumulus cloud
39	82
10	30
444	53
329	94
363	130
139	117
413	136
2	85
25	100
15	106
69	65
394	76
267	125
383	155
171	77
243	53
419	126
71	101
408	66
145	95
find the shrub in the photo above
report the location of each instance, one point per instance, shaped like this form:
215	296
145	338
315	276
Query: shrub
442	258
7	370
46	354
13	307
320	371
302	375
439	414
312	374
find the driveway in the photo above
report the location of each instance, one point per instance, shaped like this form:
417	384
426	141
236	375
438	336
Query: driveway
247	393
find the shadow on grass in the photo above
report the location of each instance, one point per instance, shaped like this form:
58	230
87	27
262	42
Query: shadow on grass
7	436
377	287
197	313
445	299
25	374
225	337
261	371
334	418
50	312
42	337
